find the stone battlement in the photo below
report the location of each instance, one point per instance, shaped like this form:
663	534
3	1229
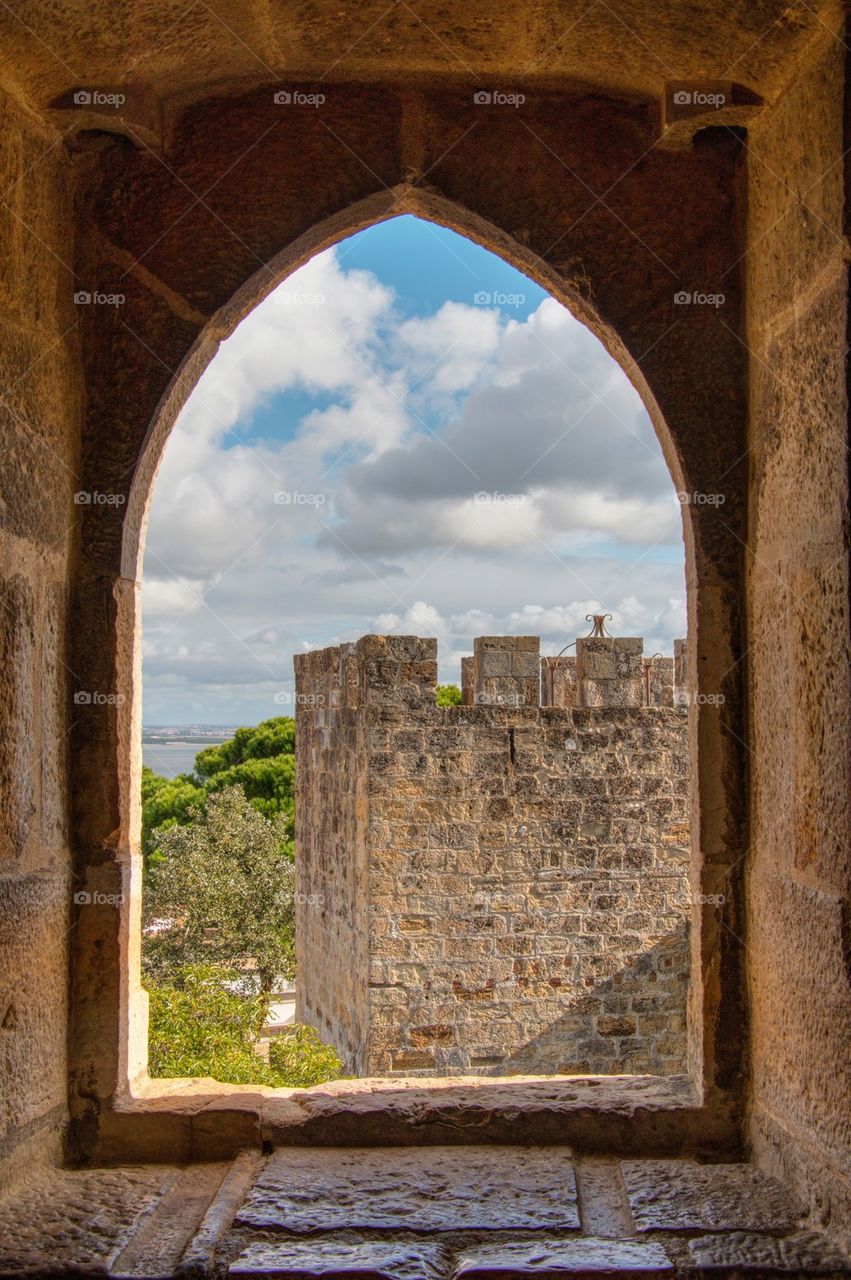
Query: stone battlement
507	671
499	887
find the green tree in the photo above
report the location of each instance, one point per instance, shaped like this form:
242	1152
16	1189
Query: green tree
222	892
261	760
447	695
199	1026
166	802
261	742
268	782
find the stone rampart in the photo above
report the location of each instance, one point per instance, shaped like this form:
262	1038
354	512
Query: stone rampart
498	887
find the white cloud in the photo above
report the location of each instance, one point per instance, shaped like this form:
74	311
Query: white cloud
420	619
388	529
451	348
170	598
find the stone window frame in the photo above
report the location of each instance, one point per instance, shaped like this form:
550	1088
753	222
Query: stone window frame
116	1110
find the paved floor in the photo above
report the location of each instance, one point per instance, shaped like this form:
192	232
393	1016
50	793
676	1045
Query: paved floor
412	1213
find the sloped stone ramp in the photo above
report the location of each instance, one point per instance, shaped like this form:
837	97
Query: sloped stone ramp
433	1213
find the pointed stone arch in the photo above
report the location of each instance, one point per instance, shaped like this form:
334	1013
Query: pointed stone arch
192	266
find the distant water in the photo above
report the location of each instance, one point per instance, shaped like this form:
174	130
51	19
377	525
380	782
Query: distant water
172	758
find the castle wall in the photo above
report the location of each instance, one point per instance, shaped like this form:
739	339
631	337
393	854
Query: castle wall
798	865
526	867
332	922
40	415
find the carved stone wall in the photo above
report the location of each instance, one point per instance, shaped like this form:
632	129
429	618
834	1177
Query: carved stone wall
495	888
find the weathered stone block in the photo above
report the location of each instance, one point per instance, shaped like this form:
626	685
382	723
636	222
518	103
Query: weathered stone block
494	662
18	742
677	1195
34	944
76	1222
614	692
438	1189
616	1026
548	1259
806	1253
366	1259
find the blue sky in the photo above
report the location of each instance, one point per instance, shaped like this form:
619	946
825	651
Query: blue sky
407	435
430	265
427	266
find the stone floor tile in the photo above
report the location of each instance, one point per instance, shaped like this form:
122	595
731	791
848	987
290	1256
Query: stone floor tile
362	1260
555	1260
805	1253
76	1221
679	1195
418	1189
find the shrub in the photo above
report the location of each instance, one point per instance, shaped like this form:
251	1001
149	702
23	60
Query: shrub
302	1058
201	1026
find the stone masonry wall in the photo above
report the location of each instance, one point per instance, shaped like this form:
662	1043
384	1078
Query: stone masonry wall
333	889
495	888
40	410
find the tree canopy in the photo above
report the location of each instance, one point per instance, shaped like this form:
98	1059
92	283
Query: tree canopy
222	893
261	760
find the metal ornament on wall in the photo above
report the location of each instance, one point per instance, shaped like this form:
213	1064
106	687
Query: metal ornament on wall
598	627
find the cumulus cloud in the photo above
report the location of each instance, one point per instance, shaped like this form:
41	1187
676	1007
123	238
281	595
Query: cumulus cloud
450	348
420	619
342	467
556	441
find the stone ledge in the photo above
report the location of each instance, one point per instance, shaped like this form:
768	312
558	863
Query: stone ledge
370	1259
366	1260
625	1115
547	1260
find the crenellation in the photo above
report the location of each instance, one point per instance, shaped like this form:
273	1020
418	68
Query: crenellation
485	868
